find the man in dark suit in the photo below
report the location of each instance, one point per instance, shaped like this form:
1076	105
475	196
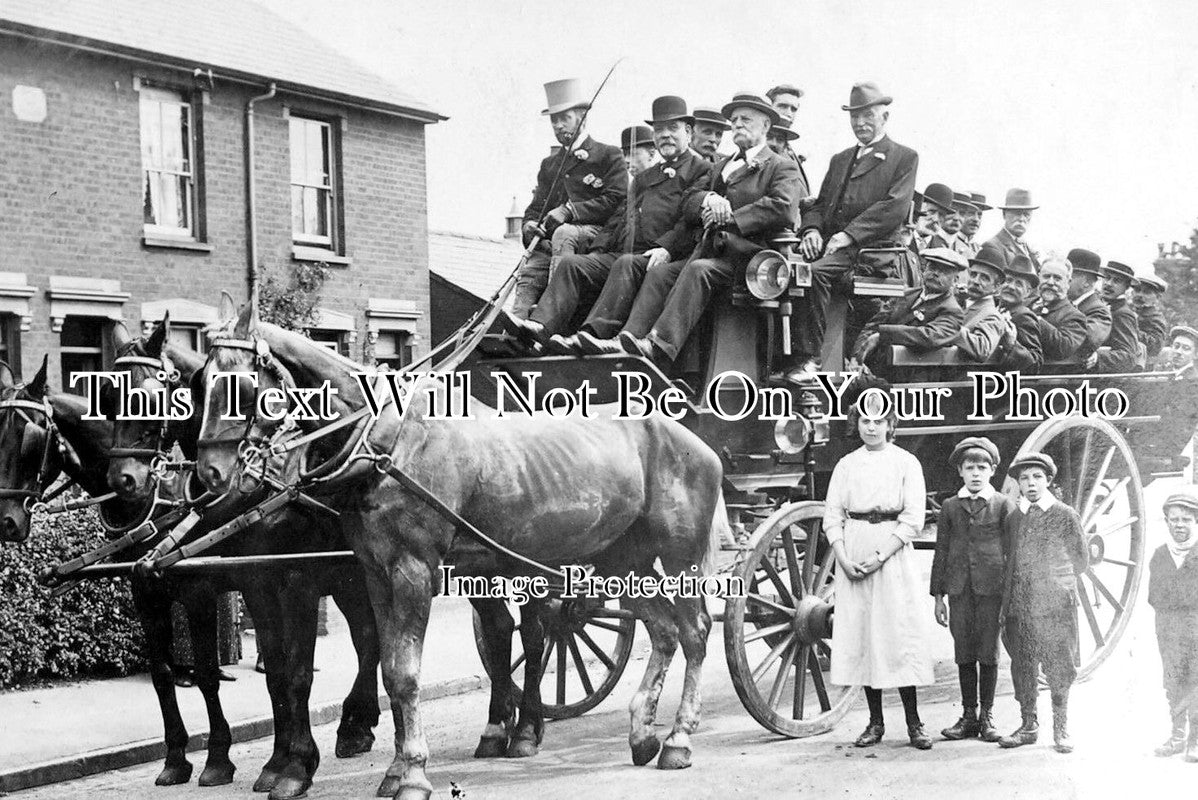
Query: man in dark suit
936	203
753	198
1016	215
1084	283
646	233
924	318
785	99
863	202
1024	351
1149	290
1062	327
1121	351
971	221
710	127
984	328
581	184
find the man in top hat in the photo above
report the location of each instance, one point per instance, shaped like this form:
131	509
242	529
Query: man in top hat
710	127
1022	351
971	221
785	99
1184	344
646	233
863	202
1121	351
924	318
1146	300
581	184
752	198
984	329
1016	214
1062	327
1084	283
639	150
935	205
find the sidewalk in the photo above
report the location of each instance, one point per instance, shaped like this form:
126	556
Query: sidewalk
67	731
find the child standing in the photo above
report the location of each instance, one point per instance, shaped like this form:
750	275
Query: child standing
971	547
1048	550
1173	594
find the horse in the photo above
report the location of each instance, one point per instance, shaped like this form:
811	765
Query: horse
619	495
283	600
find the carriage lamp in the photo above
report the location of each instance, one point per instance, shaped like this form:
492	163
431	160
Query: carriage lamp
767	275
811	409
792	435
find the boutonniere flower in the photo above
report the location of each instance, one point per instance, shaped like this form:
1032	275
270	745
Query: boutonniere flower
581	155
589	179
754	165
597	183
879	156
669	172
918	315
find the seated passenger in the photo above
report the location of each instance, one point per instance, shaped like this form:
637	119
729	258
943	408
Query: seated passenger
579	196
1121	350
753	199
953	224
1016	215
1149	292
710	127
971	222
1182	349
865	197
1084	283
984	329
935	208
924	318
1025	352
1062	327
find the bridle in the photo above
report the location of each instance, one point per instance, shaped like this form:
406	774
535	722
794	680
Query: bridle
159	455
23	409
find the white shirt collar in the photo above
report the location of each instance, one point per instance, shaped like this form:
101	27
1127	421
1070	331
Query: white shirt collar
753	152
1082	297
987	491
1045	502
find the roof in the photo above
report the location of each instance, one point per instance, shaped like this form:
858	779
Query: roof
478	264
240	41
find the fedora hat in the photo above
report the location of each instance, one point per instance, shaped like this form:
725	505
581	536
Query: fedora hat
1018	200
944	258
979	200
1186	498
1186	331
1116	269
864	95
1021	267
1042	460
1151	281
754	101
636	136
992	257
711	116
668	108
782	129
963	202
784	88
974	443
1084	260
563	95
939	195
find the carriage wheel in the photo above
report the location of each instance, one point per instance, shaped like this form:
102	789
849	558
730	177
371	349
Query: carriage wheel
587	646
1097	475
778	637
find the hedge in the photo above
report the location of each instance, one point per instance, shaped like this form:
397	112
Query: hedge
92	631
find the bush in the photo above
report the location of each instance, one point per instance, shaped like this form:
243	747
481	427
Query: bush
90	631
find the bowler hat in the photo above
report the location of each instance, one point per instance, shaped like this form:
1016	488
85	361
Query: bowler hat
636	136
963	202
711	116
864	95
1186	331
565	94
1018	200
979	200
1151	281
939	195
1042	460
1021	266
1084	260
944	258
782	129
991	256
668	108
784	88
754	101
1186	498
974	443
1116	269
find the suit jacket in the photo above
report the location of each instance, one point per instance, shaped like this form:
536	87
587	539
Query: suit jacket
651	216
764	196
868	199
1122	348
971	548
1153	329
923	325
1098	323
594	187
1062	329
1012	247
981	330
1025	353
968	247
1047	553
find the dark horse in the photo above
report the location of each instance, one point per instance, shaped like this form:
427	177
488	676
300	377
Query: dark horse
282	600
621	496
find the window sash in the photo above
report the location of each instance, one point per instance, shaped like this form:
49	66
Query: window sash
168	176
312	202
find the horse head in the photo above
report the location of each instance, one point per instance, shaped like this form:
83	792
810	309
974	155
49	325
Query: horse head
29	461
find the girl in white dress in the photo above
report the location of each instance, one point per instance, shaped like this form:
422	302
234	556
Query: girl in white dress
874	509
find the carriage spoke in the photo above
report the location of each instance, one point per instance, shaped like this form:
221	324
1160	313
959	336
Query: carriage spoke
821	585
783	590
756	598
817	680
1099	478
800	695
1081	473
516	664
561	670
597	650
788	660
1101	587
772	656
607	626
1120	562
792	563
550	641
1116	526
809	559
1090	618
1110	499
583	675
761	633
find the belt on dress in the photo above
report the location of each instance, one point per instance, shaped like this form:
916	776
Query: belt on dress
874	517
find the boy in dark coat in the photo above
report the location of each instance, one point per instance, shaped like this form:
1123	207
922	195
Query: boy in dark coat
1173	594
1048	550
968	567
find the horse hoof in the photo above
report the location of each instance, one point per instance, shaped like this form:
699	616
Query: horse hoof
389	787
289	788
491	747
174	774
217	774
674	757
521	748
266	780
353	745
644	750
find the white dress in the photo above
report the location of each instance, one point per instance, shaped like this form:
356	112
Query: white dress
879	633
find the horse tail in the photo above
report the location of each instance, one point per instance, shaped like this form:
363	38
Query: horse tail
720	530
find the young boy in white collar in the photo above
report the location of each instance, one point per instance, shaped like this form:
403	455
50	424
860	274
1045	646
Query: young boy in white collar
1173	595
968	568
1048	550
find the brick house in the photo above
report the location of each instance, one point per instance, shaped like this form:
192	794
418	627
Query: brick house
126	187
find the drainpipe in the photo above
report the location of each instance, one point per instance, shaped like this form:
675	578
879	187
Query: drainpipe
251	216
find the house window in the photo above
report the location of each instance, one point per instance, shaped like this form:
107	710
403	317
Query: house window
168	163
337	341
313	196
393	349
188	337
9	343
84	347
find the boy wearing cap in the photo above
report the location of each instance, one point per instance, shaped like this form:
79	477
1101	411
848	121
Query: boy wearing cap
1184	344
1121	351
968	568
1039	612
1173	595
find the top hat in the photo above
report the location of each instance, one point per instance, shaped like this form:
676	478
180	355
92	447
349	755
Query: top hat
864	95
1151	281
979	200
991	256
1116	269
563	95
1018	200
1085	261
939	195
963	202
782	129
711	116
974	443
636	136
668	108
754	101
784	88
1021	266
1043	460
1184	330
944	258
1186	498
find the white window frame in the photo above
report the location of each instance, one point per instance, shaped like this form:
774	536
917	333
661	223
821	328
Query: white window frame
160	97
322	179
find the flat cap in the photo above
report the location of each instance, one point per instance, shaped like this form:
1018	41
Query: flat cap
974	443
944	257
1184	330
1187	498
1042	460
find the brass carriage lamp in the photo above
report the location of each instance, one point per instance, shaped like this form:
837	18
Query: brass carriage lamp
812	409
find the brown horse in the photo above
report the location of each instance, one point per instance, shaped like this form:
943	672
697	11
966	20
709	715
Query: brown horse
618	495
